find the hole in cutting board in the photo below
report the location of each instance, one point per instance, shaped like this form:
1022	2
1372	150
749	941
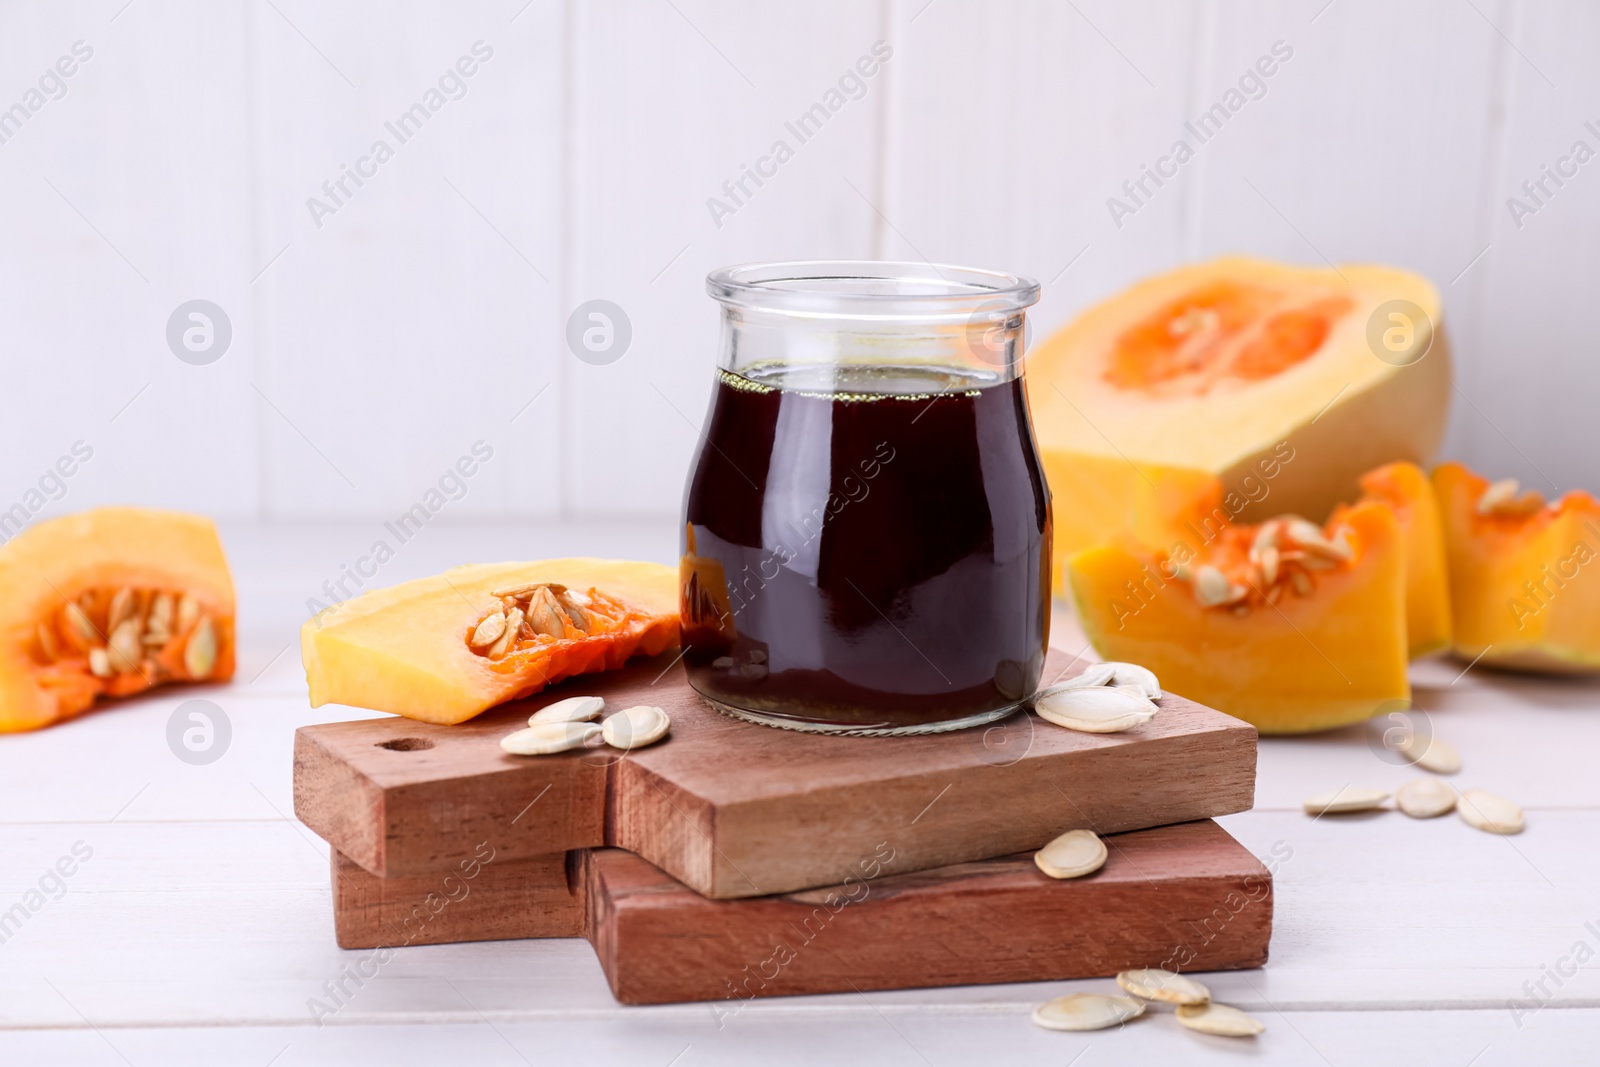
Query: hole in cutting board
405	744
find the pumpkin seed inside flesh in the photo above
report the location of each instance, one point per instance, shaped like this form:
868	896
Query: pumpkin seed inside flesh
549	738
1086	1011
1072	855
1345	800
502	644
1095	709
635	727
48	644
79	621
99	663
125	648
1425	798
1219	1020
1432	754
188	612
572	709
1153	983
200	653
544	614
1490	812
488	631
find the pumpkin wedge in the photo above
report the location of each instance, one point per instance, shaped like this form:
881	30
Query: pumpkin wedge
108	603
1290	626
1405	488
1266	386
1524	575
445	648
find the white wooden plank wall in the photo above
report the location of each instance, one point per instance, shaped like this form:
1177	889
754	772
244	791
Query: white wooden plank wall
371	351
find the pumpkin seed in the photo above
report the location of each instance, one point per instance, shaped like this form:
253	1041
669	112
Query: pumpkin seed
1095	709
572	709
1211	586
722	663
1490	812
125	648
1266	537
1218	1019
1072	855
122	606
1345	800
1497	496
48	643
1153	983
188	612
502	644
161	609
549	738
544	614
1133	676
1095	675
1086	1011
488	631
1425	798
99	663
200	653
1431	754
1302	583
1268	558
575	611
635	727
79	621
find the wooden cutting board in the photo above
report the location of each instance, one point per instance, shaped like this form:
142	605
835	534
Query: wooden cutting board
1185	897
733	809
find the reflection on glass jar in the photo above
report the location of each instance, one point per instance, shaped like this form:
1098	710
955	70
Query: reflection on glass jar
866	538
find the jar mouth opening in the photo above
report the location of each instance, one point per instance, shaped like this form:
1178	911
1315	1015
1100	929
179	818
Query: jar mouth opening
871	288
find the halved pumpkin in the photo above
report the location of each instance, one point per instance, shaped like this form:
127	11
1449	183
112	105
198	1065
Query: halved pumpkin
443	649
1524	576
110	602
1287	625
1405	488
1252	383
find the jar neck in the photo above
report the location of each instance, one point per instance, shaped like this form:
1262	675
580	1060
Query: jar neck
760	343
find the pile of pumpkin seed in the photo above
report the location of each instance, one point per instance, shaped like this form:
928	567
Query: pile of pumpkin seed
1191	1001
1428	798
570	723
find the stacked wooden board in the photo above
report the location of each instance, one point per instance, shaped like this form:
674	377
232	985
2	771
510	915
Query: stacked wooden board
873	862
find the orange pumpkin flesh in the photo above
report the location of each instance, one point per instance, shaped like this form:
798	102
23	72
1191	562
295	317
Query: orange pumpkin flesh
108	603
410	649
1524	575
1405	489
1323	645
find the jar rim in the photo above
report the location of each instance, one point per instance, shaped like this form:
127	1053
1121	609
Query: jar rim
871	287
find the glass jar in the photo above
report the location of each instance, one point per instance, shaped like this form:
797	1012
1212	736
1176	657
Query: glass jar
866	540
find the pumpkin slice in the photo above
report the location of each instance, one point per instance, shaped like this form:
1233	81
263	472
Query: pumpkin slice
108	603
1405	488
1243	381
1524	576
443	649
1290	626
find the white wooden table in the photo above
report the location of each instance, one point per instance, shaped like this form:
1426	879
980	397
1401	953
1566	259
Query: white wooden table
200	927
